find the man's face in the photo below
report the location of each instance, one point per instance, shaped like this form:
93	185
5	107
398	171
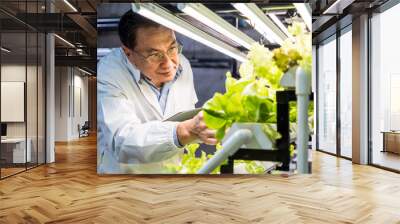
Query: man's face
151	43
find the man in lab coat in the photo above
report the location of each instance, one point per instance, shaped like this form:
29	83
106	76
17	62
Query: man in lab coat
139	85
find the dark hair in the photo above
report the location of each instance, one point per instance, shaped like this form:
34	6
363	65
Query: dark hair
128	25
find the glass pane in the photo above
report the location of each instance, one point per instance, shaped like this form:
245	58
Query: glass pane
13	87
23	87
31	97
41	98
346	94
385	86
327	97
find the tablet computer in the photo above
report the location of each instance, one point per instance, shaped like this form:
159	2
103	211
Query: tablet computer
184	115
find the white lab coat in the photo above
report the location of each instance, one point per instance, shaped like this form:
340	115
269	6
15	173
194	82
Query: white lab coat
132	138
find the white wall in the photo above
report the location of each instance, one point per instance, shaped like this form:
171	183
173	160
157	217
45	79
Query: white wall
80	108
71	94
62	81
14	73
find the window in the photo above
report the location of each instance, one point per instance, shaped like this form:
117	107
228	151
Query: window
327	96
346	92
385	88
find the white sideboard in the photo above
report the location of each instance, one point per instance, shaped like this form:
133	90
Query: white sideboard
18	148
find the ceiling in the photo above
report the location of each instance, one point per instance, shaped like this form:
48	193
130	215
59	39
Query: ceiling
330	15
77	23
77	26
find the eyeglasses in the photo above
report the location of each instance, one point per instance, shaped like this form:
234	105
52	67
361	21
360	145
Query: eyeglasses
158	57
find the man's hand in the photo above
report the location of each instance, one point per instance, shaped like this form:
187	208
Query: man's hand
195	129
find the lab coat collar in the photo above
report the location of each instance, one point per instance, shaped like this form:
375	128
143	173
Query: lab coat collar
131	68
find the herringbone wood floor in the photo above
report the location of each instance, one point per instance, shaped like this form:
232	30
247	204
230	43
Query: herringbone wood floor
70	191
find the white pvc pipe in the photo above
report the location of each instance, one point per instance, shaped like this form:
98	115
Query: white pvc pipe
302	92
229	147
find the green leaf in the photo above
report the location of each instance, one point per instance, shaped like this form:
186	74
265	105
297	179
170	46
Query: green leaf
212	121
216	104
220	133
271	132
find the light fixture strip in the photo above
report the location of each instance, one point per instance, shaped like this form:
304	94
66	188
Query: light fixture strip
5	50
305	13
262	23
159	15
278	22
64	40
84	71
331	7
338	6
70	5
204	15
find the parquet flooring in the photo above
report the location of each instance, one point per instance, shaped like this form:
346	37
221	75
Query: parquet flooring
70	191
10	171
387	159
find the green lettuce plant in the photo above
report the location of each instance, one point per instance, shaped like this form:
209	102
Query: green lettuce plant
252	97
